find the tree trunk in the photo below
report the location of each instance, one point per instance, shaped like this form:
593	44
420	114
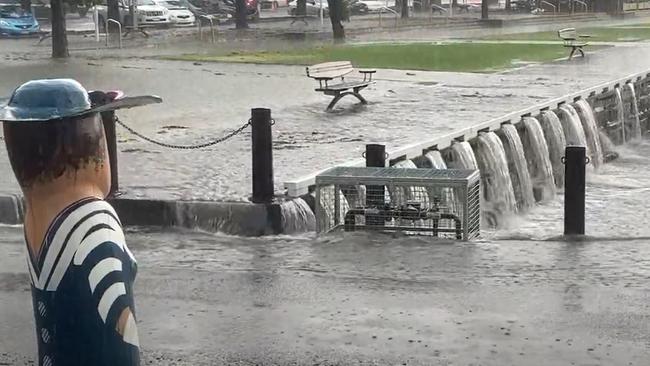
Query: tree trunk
113	12
241	20
59	37
301	7
484	9
336	15
508	5
405	9
26	5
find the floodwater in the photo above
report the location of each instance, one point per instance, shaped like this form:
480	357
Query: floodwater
205	101
519	296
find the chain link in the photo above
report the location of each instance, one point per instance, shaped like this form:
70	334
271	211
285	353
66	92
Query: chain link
185	147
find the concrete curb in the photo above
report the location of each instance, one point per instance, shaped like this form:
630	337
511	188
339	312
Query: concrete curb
235	218
11	209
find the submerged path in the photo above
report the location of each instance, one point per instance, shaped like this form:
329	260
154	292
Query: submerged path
206	300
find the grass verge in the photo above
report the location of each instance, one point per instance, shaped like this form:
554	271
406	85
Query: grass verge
458	57
630	33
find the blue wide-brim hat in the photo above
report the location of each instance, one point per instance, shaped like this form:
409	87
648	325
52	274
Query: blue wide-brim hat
52	99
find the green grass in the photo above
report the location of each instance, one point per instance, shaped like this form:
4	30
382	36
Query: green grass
598	34
459	57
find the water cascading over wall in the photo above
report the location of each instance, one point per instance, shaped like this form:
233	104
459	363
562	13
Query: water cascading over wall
436	160
631	113
554	135
446	195
400	196
625	130
462	156
519	175
499	197
572	127
590	128
537	156
297	216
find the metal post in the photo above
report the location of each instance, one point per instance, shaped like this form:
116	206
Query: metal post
574	161
108	119
96	20
375	157
262	146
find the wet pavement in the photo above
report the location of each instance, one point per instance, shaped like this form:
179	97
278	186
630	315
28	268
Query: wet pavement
520	296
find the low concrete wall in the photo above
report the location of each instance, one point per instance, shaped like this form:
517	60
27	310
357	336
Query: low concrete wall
235	218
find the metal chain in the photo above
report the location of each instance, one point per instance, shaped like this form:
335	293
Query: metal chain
185	147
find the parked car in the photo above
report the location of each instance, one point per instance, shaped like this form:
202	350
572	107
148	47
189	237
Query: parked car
357	7
375	5
14	21
252	9
313	7
178	14
147	11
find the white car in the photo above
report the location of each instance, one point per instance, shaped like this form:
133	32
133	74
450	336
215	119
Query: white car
151	13
147	11
375	5
178	14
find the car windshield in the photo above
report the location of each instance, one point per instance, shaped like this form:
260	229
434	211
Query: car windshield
146	2
172	4
12	11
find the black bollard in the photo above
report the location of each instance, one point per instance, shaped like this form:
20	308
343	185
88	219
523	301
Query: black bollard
375	157
574	160
262	141
108	119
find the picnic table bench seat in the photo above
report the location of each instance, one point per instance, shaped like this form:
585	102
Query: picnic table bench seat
573	40
326	72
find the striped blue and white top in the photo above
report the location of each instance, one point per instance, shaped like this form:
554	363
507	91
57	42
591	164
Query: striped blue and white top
81	284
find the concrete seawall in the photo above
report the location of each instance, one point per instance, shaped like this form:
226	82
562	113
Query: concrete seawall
235	218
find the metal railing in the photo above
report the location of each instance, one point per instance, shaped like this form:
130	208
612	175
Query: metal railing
300	186
384	8
551	5
108	34
583	4
210	19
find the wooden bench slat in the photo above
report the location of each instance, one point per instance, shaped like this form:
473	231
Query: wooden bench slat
343	86
330	74
330	69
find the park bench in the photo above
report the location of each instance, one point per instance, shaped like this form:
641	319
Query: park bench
464	7
326	72
438	9
574	40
